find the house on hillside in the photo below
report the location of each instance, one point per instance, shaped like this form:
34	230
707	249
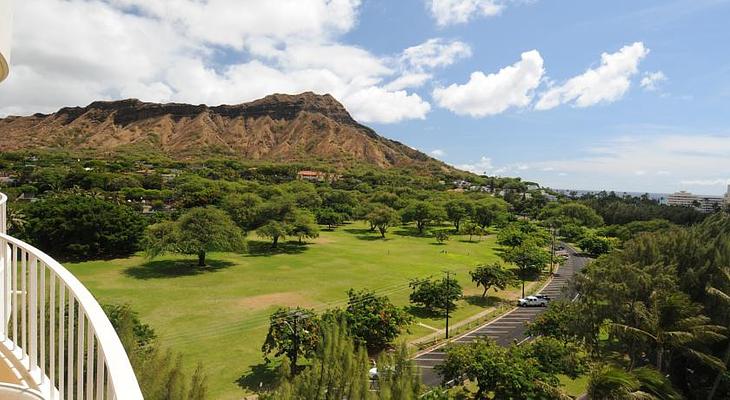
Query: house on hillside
317	176
461	184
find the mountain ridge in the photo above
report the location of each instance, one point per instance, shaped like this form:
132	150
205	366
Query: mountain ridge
278	127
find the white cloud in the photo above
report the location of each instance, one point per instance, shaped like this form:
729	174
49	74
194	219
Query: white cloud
605	83
485	95
438	153
652	79
483	166
215	51
408	80
706	182
377	104
435	53
449	12
643	163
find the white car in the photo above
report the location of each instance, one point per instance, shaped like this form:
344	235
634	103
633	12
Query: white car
532	301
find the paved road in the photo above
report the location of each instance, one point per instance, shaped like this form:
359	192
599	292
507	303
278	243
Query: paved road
510	327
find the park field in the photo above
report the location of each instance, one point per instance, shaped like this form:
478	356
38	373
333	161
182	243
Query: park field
219	315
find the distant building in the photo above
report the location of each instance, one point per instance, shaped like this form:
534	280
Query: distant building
462	184
682	198
317	176
727	196
706	204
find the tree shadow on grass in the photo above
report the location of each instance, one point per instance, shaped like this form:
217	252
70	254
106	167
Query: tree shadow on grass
411	231
261	376
257	248
422	312
477	300
174	268
367	234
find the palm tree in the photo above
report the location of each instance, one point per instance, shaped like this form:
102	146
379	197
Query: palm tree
724	297
612	383
667	335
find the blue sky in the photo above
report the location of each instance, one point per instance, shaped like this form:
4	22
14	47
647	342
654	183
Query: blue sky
624	95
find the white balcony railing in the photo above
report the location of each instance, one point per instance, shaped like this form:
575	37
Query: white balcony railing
54	329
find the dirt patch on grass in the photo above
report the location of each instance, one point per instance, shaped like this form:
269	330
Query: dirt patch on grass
322	240
284	299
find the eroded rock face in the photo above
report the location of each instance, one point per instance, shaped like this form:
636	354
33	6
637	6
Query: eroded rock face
278	127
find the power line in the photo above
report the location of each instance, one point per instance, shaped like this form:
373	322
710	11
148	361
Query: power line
263	320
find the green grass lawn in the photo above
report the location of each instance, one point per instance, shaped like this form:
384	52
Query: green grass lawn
219	316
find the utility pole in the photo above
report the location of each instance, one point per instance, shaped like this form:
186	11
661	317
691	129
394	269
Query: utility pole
448	301
552	250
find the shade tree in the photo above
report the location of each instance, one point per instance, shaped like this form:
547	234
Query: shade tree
529	257
457	210
197	232
423	213
382	218
492	276
435	295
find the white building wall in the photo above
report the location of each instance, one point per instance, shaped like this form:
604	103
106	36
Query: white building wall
6	27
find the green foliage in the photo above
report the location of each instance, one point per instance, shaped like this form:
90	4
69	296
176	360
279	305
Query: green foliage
292	333
339	370
472	230
609	382
422	213
441	236
82	227
435	295
653	297
488	211
529	257
373	321
304	226
511	236
562	321
331	218
457	210
123	317
556	356
244	209
628	231
597	245
571	213
572	232
383	217
505	373
274	230
617	210
160	372
197	232
492	276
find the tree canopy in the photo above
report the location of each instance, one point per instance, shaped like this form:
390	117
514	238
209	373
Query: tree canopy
73	226
197	232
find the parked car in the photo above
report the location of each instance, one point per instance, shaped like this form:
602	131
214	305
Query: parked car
532	301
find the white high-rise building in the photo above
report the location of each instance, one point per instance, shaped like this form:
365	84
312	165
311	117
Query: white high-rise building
706	204
6	27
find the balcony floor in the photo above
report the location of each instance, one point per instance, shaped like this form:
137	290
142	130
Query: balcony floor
8	373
